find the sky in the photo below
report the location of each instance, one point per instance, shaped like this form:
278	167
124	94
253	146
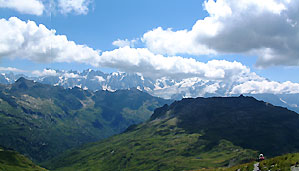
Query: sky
108	21
232	40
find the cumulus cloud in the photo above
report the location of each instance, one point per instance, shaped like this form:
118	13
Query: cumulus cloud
74	6
124	43
34	7
71	75
174	42
266	86
27	40
154	65
268	29
52	72
12	69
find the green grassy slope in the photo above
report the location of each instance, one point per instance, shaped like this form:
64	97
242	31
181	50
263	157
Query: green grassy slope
41	121
156	145
13	161
192	134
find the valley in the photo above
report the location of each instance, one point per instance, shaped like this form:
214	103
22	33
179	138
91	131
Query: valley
41	121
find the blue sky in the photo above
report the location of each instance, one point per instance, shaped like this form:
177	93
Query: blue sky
108	21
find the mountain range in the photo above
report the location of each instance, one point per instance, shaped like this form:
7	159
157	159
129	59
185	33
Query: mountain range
70	127
41	120
163	87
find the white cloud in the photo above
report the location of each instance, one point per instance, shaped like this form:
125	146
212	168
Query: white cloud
211	88
11	69
71	75
52	72
76	6
173	42
154	65
268	29
121	43
34	7
124	43
265	86
45	72
38	7
99	78
19	39
27	40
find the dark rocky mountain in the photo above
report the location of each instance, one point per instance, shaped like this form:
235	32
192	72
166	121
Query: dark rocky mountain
192	134
245	121
41	120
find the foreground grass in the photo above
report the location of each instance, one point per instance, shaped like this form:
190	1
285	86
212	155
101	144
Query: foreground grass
283	163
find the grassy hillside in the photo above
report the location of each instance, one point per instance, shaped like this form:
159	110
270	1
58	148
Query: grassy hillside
13	161
156	145
42	121
202	133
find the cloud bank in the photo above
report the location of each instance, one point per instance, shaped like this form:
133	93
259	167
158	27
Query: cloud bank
266	86
27	40
268	29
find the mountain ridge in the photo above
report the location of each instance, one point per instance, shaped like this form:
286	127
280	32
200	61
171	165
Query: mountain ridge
257	114
163	87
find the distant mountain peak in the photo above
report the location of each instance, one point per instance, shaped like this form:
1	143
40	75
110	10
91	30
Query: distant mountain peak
23	83
21	79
